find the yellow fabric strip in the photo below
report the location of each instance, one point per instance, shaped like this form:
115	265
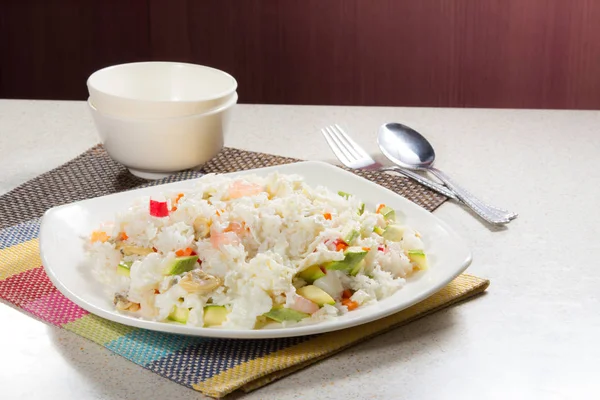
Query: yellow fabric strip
98	330
256	373
467	284
19	258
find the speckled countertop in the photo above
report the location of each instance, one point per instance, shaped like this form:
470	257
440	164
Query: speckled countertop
533	335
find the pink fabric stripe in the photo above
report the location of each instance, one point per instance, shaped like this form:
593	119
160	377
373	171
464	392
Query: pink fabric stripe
55	308
26	287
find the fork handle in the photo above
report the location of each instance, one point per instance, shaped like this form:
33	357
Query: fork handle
423	181
478	206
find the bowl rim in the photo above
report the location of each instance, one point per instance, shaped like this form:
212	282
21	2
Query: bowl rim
210	112
90	85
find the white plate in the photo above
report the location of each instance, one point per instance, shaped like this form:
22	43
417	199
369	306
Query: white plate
62	252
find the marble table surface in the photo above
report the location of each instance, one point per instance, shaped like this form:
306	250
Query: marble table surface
533	335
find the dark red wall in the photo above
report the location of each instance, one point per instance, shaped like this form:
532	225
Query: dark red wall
473	53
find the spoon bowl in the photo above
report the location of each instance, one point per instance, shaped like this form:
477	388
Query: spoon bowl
405	147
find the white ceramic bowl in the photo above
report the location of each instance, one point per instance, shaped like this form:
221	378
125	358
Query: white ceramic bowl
155	148
158	89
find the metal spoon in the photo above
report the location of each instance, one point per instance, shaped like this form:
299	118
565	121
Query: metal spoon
409	149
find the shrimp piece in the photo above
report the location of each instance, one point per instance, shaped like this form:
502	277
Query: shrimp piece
240	189
235	227
217	238
304	305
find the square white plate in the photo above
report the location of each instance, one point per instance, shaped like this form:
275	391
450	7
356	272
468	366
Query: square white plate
62	250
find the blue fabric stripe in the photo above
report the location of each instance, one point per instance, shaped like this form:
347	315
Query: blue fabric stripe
19	233
143	346
210	357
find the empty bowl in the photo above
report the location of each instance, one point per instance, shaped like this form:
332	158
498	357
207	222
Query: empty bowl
158	89
155	148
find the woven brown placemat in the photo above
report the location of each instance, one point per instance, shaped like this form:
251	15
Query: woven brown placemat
94	174
214	367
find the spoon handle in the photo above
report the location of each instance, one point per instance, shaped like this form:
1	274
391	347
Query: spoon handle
447	192
492	215
500	212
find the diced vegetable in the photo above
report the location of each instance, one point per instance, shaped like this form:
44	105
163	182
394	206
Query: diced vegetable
124	268
340	245
311	273
352	256
215	315
358	267
99	236
344	194
181	265
316	295
393	232
123	236
331	284
389	214
174	207
285	314
419	258
327	216
159	208
184	252
351	305
179	314
361	209
351	236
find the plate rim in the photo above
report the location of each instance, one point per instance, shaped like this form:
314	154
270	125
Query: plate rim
294	331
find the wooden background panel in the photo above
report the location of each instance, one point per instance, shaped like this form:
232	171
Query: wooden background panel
301	52
49	48
474	53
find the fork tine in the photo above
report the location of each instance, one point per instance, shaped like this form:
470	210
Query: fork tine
340	144
342	138
355	146
339	153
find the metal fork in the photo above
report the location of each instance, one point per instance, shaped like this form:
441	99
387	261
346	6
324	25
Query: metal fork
353	156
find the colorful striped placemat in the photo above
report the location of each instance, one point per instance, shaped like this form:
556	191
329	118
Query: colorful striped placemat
214	367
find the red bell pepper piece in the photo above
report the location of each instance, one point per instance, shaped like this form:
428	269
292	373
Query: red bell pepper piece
159	208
